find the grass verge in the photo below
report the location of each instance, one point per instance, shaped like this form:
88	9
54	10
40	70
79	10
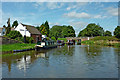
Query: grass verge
16	46
104	41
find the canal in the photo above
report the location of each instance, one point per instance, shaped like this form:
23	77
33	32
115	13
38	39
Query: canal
75	61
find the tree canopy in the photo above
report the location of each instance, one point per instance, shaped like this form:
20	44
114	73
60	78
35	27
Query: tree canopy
44	28
107	33
8	28
15	23
62	31
91	30
117	32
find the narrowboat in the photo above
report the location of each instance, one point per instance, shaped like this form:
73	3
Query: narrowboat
60	42
79	42
45	44
70	42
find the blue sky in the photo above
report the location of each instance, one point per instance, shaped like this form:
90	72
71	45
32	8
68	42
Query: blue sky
77	14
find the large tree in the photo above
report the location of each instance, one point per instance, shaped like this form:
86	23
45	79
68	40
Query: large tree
91	30
44	28
117	32
15	24
107	33
62	31
47	27
8	28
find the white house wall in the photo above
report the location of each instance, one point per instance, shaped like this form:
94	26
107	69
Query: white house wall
22	29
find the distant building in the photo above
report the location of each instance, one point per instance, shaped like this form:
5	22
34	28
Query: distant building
2	31
29	31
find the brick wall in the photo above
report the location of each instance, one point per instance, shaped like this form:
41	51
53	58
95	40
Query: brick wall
35	37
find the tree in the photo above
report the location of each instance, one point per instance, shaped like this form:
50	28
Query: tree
14	34
91	30
43	30
47	27
8	28
4	26
107	33
62	31
117	32
15	23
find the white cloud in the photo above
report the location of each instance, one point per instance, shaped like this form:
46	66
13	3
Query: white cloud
77	15
52	24
112	11
77	5
99	16
78	25
82	15
49	5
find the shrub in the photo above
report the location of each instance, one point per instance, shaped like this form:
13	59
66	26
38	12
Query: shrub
29	40
53	38
47	38
20	39
14	34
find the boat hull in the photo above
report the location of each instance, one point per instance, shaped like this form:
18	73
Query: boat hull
37	48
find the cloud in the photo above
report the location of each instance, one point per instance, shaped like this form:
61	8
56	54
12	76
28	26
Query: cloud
82	15
77	5
52	24
78	25
112	11
99	16
49	5
77	15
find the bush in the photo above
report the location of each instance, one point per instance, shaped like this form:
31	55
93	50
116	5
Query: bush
65	40
14	34
20	39
53	38
47	38
29	40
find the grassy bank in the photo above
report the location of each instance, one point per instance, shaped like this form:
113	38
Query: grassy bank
16	46
104	41
62	39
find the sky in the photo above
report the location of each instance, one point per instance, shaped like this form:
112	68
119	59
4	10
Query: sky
76	14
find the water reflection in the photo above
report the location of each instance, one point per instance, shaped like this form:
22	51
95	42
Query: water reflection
23	61
93	50
65	50
64	61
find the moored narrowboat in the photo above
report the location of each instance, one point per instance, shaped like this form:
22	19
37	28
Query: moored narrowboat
45	44
79	42
70	42
60	42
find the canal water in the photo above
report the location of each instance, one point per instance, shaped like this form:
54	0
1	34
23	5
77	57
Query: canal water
75	61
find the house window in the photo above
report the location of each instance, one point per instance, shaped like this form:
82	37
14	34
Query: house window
21	30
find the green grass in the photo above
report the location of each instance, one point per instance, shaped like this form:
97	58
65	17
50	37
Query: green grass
17	46
104	38
104	41
62	39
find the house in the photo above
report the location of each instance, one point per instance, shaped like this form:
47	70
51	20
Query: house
2	31
29	31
